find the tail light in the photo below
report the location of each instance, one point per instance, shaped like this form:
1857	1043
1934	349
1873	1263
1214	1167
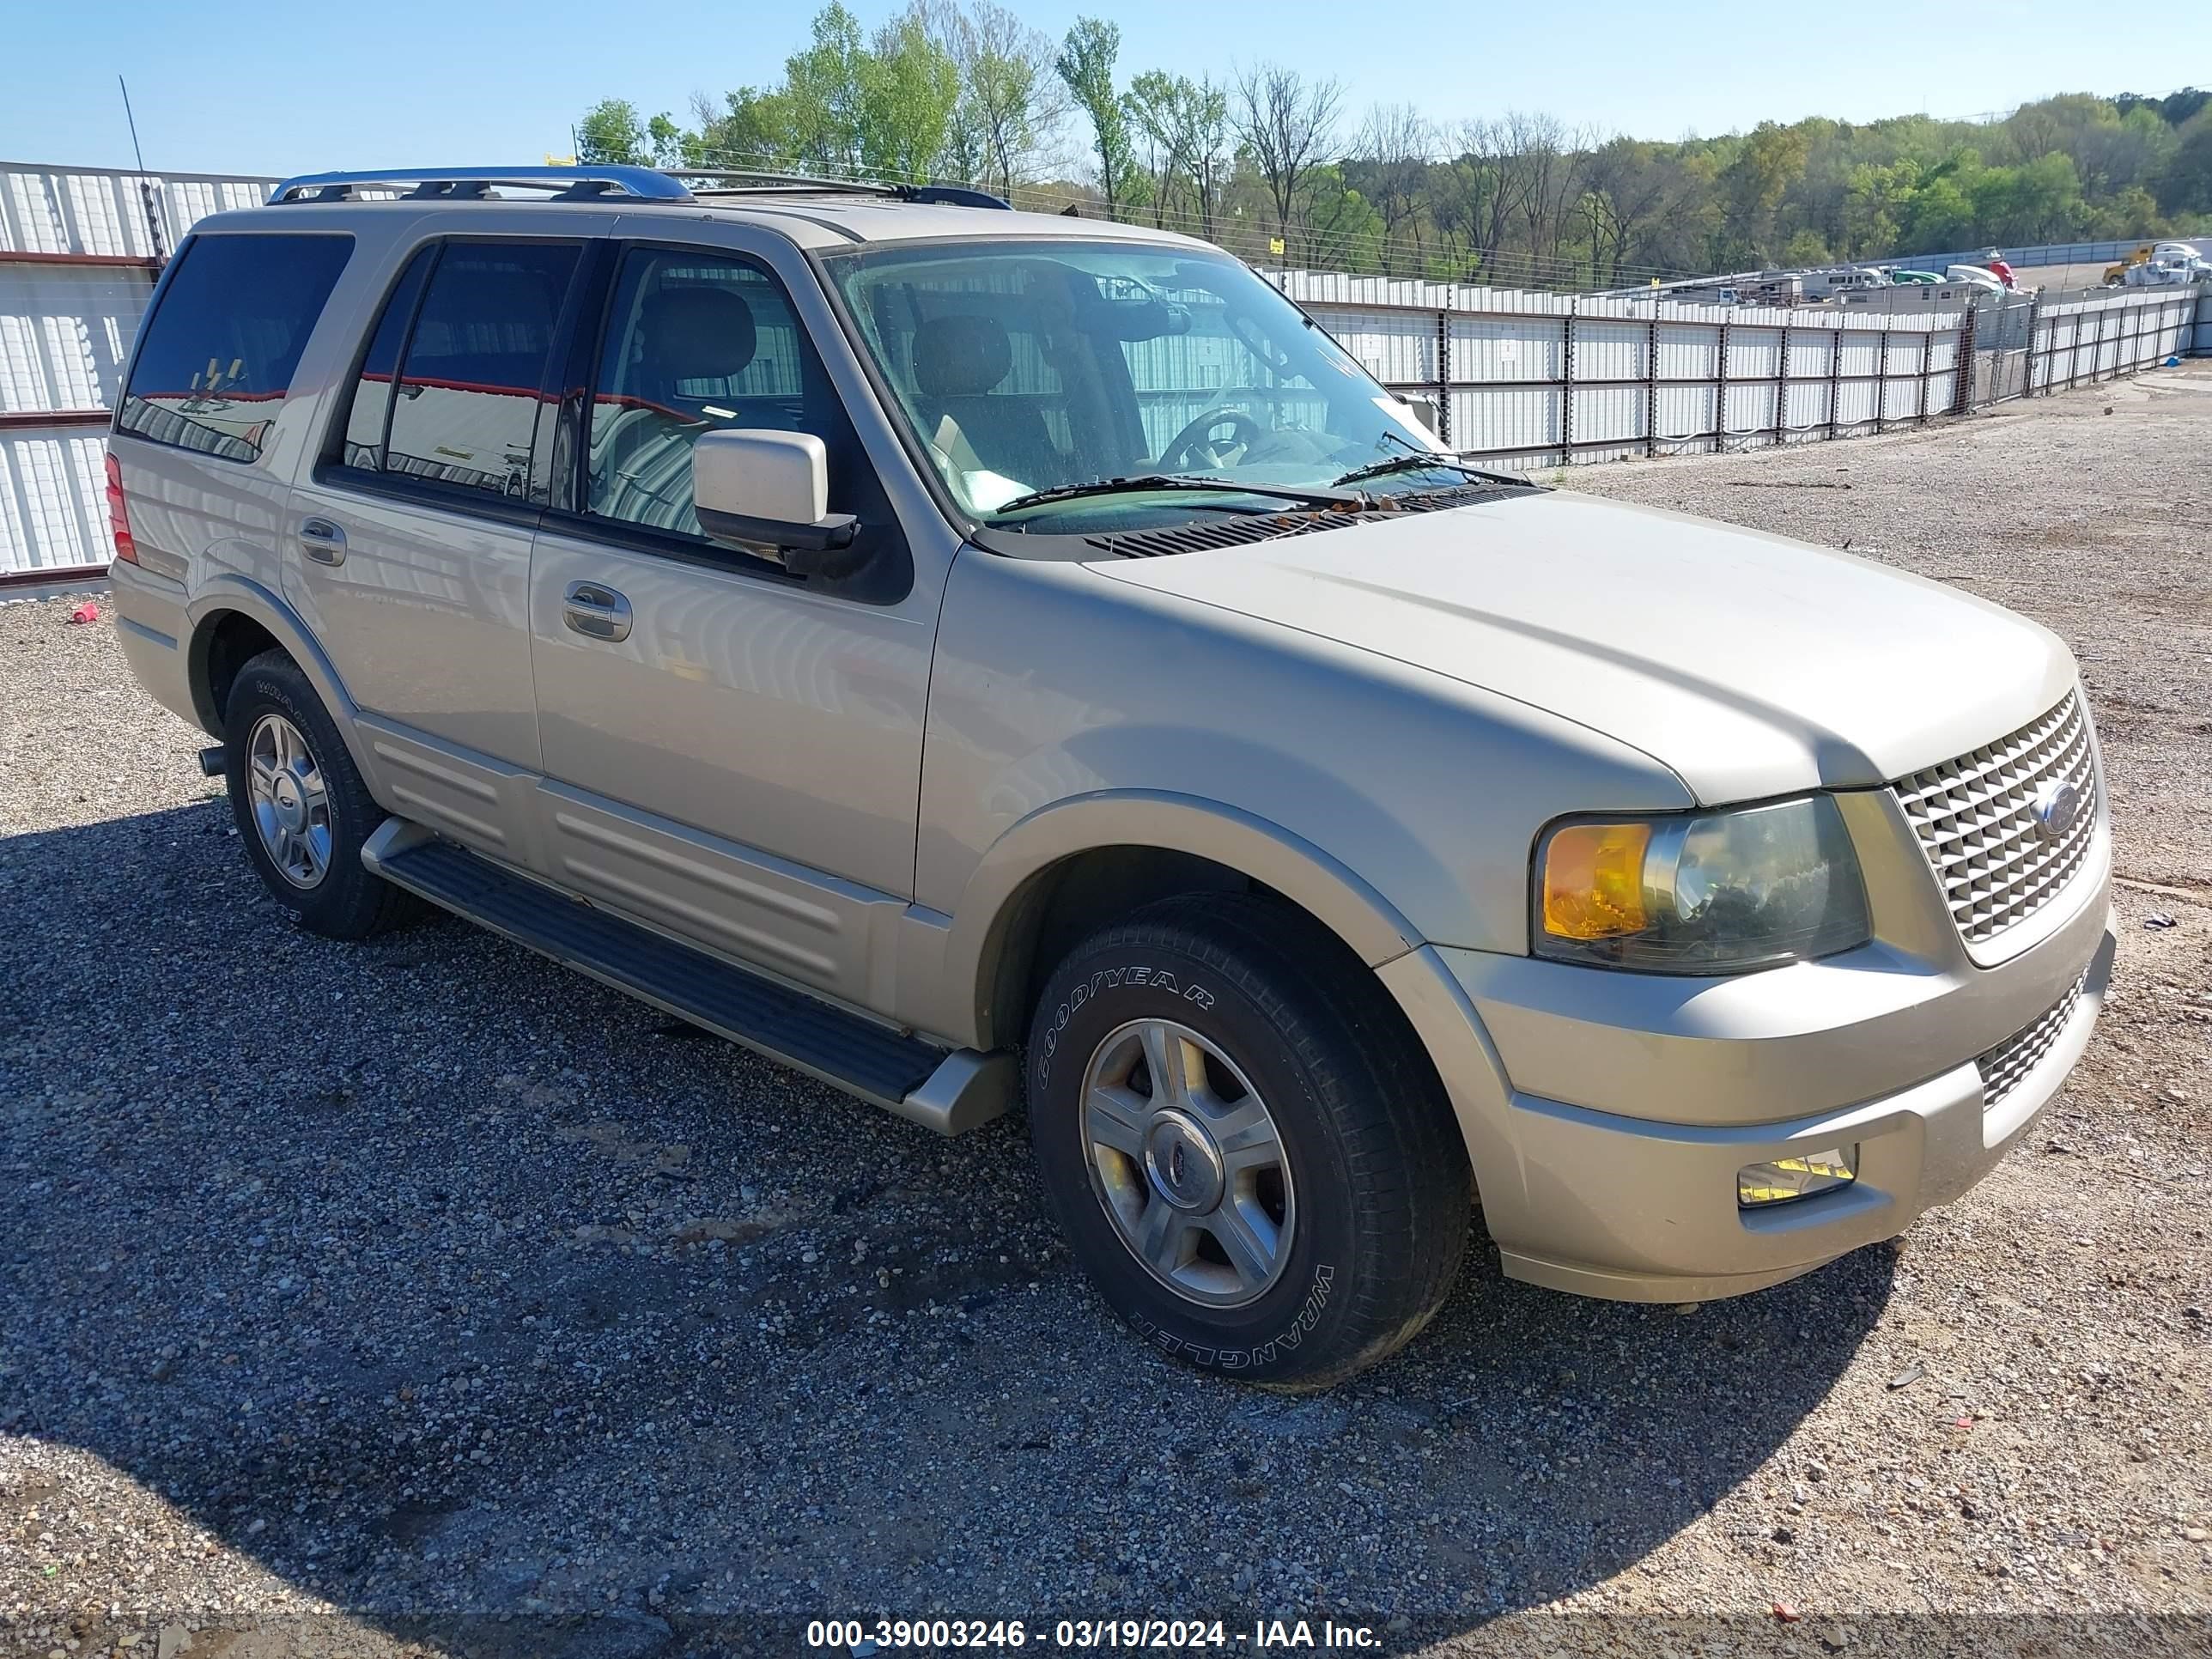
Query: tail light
119	515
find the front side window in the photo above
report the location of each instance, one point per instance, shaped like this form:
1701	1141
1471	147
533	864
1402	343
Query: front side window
1023	367
465	409
223	345
698	341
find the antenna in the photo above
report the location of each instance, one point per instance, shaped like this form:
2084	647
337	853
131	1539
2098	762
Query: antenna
146	190
136	154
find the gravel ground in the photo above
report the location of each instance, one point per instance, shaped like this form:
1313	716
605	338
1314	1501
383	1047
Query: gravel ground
424	1296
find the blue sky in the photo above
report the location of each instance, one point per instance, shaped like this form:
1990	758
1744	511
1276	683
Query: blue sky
222	86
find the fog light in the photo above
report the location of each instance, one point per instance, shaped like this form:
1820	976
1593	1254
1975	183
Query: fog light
1785	1178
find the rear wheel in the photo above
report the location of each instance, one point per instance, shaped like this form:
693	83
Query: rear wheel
1248	1152
301	807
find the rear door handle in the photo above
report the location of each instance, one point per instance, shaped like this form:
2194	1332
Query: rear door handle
596	611
322	541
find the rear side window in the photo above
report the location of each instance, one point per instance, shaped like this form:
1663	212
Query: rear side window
220	348
380	367
465	409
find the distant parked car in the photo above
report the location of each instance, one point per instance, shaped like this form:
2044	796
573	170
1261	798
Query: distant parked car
1904	275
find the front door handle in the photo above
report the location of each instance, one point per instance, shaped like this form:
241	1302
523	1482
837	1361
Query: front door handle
322	541
596	611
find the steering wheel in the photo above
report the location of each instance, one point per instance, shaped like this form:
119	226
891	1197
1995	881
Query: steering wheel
1178	454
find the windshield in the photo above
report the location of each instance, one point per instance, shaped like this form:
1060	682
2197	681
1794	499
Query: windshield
1031	367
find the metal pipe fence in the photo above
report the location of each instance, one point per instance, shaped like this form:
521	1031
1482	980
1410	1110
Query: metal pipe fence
1536	379
1518	379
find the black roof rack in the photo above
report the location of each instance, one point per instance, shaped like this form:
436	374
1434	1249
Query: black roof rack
591	182
470	183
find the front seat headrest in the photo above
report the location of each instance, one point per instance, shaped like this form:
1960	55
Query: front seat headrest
698	333
960	355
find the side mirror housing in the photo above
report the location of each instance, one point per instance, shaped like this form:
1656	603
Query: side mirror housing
763	490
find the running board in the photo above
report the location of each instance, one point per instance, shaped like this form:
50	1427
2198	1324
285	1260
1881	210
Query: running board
951	1093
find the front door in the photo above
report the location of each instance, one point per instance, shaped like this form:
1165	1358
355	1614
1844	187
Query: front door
730	753
411	541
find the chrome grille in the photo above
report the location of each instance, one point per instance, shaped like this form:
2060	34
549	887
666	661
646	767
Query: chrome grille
1976	820
2006	1066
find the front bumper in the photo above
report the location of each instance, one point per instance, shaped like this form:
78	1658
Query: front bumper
1608	1113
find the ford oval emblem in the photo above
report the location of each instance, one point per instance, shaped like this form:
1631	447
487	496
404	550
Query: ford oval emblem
2058	803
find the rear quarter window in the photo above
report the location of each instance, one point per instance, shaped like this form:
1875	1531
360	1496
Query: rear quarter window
224	341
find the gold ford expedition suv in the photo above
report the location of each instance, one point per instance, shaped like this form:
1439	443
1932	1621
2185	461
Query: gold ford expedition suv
978	658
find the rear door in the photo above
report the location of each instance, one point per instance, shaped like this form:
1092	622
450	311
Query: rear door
413	531
732	753
206	433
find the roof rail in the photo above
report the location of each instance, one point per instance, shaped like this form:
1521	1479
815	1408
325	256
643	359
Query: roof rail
749	181
468	184
746	181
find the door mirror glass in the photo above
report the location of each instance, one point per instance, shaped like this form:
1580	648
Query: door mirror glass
769	491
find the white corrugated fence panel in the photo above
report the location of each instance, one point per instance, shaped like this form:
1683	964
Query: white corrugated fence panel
66	333
1610	351
1690	351
1687	415
103	212
53	501
1398	347
1506	420
1484	350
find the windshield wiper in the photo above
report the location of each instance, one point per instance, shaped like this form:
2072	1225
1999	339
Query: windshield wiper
1423	461
1313	495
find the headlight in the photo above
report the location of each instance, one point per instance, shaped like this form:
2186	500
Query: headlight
1712	892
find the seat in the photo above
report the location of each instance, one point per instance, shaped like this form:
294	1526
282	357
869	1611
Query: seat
959	360
644	425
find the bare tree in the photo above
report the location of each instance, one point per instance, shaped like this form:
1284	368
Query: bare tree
1549	160
1626	186
1398	144
1483	194
1203	148
1288	125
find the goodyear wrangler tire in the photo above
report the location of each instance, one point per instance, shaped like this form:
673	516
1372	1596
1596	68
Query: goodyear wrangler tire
1243	1146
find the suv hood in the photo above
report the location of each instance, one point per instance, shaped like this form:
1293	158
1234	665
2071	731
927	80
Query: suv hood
1751	665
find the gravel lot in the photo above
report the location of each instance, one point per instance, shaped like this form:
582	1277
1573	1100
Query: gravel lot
424	1296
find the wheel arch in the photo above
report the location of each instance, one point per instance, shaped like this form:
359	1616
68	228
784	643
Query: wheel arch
1081	863
233	619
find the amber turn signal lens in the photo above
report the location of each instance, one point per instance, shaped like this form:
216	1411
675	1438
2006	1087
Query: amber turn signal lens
1594	880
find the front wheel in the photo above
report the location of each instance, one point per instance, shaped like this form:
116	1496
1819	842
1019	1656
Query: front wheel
1247	1151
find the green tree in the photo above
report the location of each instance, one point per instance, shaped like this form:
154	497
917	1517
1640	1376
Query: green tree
611	133
2184	184
1772	159
1940	217
1806	247
1877	202
1085	65
909	86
